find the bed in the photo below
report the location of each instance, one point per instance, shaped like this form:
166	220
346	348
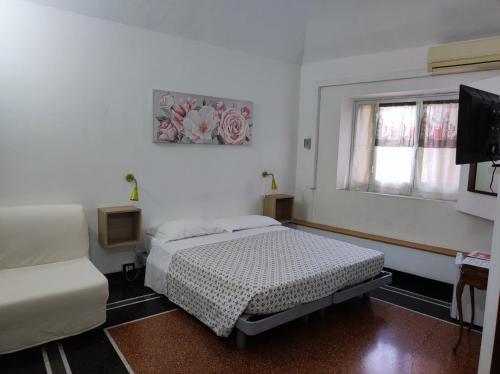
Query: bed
255	279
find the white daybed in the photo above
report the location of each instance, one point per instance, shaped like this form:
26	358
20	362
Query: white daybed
49	289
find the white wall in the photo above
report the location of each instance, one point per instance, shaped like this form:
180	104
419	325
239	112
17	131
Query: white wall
76	115
492	295
474	203
423	221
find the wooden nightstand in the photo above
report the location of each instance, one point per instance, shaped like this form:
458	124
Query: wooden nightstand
119	226
475	277
279	207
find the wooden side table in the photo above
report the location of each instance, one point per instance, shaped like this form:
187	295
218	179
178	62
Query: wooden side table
119	226
475	277
279	207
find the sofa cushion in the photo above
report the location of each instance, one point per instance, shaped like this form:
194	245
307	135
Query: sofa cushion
50	301
41	234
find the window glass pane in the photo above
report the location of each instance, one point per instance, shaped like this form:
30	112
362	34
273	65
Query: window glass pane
396	125
436	174
393	153
393	166
359	176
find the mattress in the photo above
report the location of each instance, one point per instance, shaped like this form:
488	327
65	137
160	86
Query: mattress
261	271
160	254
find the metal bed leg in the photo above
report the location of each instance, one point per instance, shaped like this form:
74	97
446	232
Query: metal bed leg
246	327
322	313
241	339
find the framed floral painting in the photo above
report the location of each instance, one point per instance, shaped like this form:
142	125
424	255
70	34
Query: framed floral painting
187	119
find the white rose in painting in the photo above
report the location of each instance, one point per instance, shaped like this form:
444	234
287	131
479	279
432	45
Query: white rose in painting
199	124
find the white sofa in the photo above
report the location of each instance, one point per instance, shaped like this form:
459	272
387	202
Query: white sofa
49	289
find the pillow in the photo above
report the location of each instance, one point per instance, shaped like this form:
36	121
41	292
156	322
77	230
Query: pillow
246	222
186	228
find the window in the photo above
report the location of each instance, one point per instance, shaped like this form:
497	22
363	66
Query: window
406	147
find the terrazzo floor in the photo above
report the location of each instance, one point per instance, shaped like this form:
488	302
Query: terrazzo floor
376	337
359	336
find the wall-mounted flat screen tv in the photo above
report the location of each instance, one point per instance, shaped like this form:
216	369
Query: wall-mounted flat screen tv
478	133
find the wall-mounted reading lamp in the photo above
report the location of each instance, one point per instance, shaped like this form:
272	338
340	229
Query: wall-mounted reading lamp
273	181
134	195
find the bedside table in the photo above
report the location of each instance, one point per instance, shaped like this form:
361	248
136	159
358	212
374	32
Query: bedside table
279	207
119	226
475	277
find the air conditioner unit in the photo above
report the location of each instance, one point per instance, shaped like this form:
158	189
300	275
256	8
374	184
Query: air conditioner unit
461	57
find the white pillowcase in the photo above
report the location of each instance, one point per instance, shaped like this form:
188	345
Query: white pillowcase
231	224
186	228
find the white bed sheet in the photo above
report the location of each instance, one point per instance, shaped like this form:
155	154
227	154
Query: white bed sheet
160	254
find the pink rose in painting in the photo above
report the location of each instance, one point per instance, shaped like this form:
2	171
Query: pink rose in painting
180	109
164	124
199	124
168	132
246	112
233	127
219	107
160	136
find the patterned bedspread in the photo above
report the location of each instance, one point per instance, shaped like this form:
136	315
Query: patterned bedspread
264	273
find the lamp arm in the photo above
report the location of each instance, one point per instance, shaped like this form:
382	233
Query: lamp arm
273	183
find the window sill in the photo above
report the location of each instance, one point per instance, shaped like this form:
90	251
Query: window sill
399	196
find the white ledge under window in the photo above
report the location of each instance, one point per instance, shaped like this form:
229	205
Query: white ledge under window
412	197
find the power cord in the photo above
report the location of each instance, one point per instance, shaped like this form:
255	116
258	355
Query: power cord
492	178
132	279
137	271
494	166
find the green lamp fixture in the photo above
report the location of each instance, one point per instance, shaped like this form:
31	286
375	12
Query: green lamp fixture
265	174
134	195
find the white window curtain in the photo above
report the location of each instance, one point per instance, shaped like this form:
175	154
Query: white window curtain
436	175
392	153
359	176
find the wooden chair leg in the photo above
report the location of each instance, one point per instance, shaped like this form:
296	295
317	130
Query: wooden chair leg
459	292
472	306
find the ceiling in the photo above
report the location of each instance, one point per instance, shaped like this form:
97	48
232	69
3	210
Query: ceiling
339	28
303	30
268	28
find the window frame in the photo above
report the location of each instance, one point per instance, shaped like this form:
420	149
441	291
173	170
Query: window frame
376	101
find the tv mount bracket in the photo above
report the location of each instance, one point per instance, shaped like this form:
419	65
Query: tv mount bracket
494	136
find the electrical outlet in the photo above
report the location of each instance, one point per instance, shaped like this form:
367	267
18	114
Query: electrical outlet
307	143
128	267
